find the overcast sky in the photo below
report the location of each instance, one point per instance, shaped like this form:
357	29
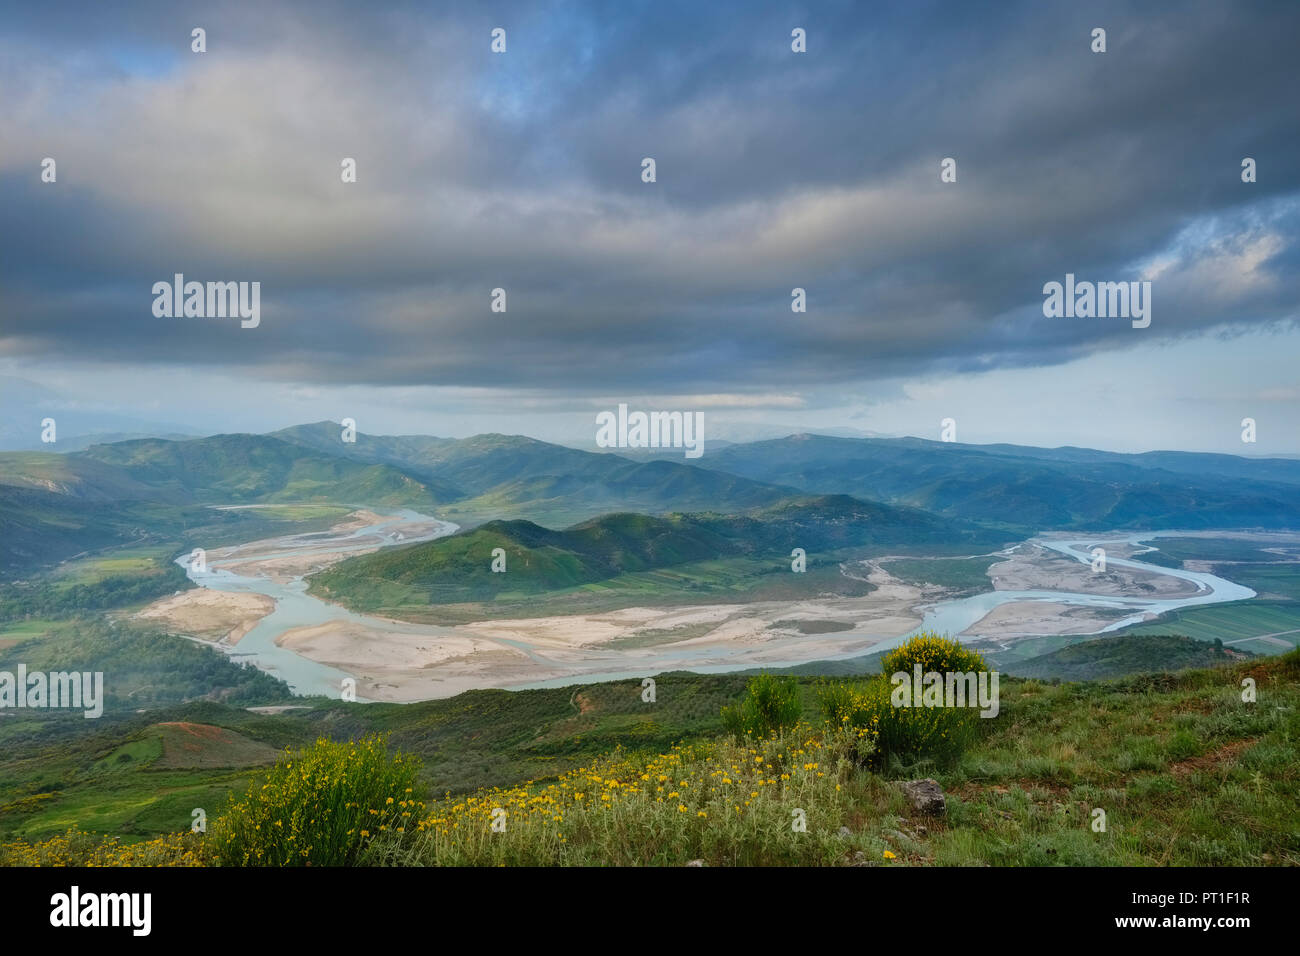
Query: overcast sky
775	169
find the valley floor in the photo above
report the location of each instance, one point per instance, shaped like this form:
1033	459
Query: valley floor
403	661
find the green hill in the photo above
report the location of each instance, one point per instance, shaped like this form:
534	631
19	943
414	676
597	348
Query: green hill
509	476
227	469
38	527
457	569
1116	656
154	491
75	477
53	506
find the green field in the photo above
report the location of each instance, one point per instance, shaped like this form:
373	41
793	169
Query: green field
111	776
1237	621
1108	657
1173	551
1267	580
17	631
323	514
963	575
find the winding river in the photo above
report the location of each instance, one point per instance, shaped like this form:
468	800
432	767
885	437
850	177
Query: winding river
294	608
955	616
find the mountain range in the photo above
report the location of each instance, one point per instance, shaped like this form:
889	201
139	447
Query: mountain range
56	504
1031	489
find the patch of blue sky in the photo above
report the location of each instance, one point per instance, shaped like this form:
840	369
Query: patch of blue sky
146	62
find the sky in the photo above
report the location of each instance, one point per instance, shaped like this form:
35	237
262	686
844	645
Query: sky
774	170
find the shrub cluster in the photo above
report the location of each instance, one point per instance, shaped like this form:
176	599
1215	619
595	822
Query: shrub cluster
320	806
891	736
770	705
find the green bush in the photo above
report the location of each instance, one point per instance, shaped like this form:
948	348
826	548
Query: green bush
320	806
852	714
933	653
902	736
770	705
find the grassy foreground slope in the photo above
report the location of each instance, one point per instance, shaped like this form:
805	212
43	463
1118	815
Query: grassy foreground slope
1186	771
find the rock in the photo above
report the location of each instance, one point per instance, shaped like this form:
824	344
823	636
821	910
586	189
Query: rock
926	796
859	859
845	833
695	863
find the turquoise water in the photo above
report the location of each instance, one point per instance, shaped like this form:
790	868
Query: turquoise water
295	608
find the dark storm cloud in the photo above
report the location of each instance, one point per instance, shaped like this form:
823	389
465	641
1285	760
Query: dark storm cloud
523	171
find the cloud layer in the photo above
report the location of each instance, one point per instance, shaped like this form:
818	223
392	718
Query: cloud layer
522	171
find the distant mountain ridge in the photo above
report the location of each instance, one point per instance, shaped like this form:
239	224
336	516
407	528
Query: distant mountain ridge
258	469
515	476
1031	489
470	481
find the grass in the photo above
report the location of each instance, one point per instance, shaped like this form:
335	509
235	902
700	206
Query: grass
1186	772
724	580
1107	657
59	765
963	575
1231	622
187	745
1270	581
1173	551
321	514
775	801
18	631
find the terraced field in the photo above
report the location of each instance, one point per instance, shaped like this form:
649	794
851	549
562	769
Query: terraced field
1259	626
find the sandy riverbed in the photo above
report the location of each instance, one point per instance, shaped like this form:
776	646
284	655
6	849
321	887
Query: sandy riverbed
313	552
402	661
1025	619
397	666
1032	567
220	616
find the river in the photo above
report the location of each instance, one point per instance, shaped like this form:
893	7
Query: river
295	608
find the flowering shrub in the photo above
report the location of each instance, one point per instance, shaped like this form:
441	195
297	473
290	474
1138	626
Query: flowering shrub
75	848
933	653
320	806
907	735
727	802
770	705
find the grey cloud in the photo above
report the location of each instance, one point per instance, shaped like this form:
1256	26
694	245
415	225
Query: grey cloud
522	171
